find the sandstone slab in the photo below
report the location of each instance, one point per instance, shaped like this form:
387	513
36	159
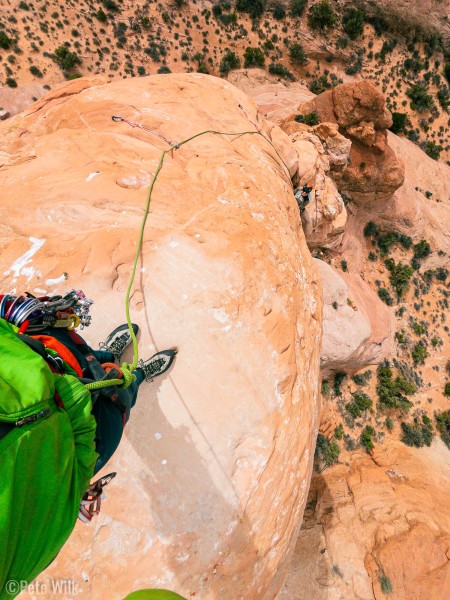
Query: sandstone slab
215	465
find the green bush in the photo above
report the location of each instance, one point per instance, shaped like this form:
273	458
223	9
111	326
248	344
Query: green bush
370	230
5	41
111	5
419	353
392	392
398	122
310	119
433	150
164	69
366	438
385	584
281	71
229	62
353	22
321	16
339	432
36	72
10	82
362	378
337	382
417	434
65	59
420	100
400	277
278	11
389	424
297	54
297	8
447	389
327	450
422	249
384	295
255	8
447	71
253	57
361	402
325	388
101	15
443	426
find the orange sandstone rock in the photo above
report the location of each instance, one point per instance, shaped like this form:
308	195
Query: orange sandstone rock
214	469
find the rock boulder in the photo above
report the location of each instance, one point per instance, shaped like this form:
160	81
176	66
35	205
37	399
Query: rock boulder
214	469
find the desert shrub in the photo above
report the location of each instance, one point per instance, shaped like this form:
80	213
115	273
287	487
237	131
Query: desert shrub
297	54
10	82
398	122
387	48
111	5
339	432
362	378
5	41
337	382
297	8
310	119
360	403
443	97
420	99
422	249
389	424
418	434
321	16
164	69
326	387
385	296
101	15
370	230
400	277
385	584
344	265
327	450
447	71
65	58
253	57
366	437
229	62
281	71
433	150
447	389
36	72
353	22
392	392
443	426
255	8
419	353
278	11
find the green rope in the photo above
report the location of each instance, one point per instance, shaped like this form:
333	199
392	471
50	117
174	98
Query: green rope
127	369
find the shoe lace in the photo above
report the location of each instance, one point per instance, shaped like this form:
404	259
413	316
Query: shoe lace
118	345
151	369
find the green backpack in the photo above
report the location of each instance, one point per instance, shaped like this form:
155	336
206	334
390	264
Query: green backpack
47	458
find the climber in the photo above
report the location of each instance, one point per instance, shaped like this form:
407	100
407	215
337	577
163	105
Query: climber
54	432
112	407
303	195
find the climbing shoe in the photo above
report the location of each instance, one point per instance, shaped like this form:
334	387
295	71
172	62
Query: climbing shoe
157	364
118	340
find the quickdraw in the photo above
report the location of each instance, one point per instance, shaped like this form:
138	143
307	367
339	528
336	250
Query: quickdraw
116	119
91	503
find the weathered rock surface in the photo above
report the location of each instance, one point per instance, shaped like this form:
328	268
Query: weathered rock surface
374	172
215	465
275	99
358	328
377	517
